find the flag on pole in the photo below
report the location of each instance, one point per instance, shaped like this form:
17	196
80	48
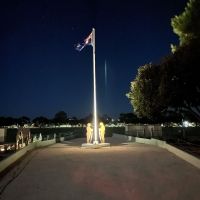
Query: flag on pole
87	41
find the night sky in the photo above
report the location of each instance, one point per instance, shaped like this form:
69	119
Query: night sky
41	73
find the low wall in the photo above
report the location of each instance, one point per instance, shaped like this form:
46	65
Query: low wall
152	141
45	143
19	154
181	154
120	136
190	134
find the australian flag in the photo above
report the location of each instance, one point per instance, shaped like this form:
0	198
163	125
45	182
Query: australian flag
87	41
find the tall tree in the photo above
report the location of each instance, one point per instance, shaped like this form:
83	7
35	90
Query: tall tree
174	84
171	86
180	84
187	24
144	92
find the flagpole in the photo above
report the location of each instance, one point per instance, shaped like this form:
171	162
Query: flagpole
94	91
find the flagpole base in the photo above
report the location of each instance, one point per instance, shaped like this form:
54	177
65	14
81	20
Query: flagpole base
94	146
96	142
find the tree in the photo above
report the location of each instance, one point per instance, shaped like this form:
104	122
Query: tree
7	121
60	118
144	93
105	119
128	118
187	24
180	84
41	121
73	121
171	86
174	84
23	120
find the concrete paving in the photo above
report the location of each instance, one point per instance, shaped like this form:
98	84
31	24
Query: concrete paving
120	172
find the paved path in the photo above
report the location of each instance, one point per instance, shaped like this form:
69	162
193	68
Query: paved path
121	172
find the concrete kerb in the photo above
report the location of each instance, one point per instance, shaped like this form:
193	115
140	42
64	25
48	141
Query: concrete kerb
185	156
4	164
159	143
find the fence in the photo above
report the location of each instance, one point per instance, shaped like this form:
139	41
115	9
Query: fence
191	134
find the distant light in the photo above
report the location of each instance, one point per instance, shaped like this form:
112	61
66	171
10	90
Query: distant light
186	124
2	149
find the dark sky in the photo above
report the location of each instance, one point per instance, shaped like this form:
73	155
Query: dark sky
40	71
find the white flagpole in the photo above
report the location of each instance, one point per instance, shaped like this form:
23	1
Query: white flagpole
94	91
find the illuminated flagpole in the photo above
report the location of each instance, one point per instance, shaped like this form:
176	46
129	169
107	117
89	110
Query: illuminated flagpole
94	91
